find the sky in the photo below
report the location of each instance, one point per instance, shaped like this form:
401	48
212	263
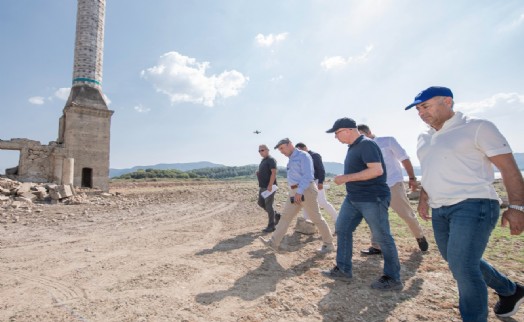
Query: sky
190	81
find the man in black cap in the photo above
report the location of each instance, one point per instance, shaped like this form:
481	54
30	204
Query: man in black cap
368	198
456	156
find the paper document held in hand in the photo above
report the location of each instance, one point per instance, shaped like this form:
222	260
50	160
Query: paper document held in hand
268	193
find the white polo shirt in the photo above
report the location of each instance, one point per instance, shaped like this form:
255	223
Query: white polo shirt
393	154
454	160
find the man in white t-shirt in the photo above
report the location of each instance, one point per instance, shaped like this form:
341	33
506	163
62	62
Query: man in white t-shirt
457	155
394	155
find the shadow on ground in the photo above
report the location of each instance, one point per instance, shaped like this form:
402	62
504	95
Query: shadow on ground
356	301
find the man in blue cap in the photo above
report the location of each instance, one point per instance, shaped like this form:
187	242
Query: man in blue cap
368	198
457	155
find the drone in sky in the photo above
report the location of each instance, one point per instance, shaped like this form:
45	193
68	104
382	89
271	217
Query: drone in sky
257	132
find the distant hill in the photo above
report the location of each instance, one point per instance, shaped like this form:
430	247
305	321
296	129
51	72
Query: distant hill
334	168
165	166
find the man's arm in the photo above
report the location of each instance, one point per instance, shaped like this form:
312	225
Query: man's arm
306	165
411	174
319	169
372	171
514	184
272	179
423	205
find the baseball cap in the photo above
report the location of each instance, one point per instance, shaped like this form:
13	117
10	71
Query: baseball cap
343	123
429	93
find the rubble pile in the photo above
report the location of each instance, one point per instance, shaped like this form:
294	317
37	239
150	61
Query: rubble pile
16	194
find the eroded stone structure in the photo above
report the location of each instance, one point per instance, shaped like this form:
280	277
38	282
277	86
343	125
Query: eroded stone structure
80	156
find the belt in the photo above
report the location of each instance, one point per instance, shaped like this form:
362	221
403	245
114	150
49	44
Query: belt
294	186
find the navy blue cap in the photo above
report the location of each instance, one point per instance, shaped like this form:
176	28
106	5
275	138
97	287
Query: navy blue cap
343	123
429	93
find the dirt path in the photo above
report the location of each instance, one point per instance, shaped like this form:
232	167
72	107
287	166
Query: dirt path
189	252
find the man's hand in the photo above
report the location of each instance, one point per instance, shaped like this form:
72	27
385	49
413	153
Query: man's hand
298	198
413	185
269	188
340	179
423	211
515	219
320	186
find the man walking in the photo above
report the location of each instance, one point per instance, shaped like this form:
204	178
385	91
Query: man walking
303	193
267	177
457	155
394	155
320	176
367	198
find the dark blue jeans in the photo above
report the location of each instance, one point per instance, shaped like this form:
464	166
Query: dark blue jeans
462	232
376	215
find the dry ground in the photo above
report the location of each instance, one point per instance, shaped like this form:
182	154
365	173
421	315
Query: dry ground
188	251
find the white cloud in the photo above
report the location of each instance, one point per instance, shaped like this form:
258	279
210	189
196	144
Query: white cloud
184	79
336	62
270	40
498	104
140	109
37	100
63	93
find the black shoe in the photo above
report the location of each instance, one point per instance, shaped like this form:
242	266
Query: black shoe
371	251
268	230
386	283
277	218
422	244
336	273
509	305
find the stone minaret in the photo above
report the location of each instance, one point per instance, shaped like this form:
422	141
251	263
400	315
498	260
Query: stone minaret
85	125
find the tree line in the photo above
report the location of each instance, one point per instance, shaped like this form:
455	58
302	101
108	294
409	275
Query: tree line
247	171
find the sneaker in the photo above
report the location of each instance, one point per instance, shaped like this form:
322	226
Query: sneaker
268	230
326	248
509	305
386	283
422	244
371	251
277	218
269	244
336	273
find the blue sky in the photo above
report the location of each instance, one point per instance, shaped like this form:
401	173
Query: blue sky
191	80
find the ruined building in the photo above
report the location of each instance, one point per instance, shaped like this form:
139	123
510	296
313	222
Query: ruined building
80	156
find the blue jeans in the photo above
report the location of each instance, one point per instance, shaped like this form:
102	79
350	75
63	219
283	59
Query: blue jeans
376	215
462	232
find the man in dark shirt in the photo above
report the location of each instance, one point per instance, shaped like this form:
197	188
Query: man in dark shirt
267	177
320	176
368	198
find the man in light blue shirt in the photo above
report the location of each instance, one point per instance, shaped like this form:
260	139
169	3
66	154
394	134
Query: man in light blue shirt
303	193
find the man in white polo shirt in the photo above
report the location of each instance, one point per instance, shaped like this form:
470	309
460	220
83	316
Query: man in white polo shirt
457	155
394	155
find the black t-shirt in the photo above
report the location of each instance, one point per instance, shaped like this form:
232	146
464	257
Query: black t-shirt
264	171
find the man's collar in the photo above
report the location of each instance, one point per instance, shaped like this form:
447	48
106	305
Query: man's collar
357	141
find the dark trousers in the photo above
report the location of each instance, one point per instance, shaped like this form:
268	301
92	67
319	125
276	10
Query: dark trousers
267	205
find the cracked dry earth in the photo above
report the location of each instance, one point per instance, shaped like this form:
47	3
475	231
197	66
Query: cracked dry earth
188	251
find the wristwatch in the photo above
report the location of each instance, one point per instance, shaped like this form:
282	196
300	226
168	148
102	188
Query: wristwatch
519	208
